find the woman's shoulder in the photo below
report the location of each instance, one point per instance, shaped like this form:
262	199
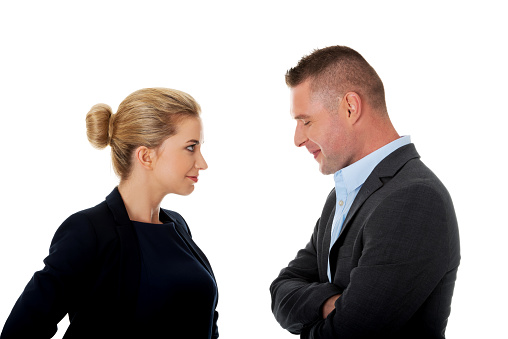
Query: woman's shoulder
94	222
99	211
91	215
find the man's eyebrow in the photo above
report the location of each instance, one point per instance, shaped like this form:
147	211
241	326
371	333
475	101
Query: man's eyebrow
302	117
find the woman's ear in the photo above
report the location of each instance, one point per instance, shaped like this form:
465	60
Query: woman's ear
145	157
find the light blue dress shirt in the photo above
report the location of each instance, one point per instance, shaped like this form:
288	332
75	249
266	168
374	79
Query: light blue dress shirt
349	180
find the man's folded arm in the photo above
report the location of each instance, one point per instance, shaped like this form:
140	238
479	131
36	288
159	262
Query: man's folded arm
407	251
297	294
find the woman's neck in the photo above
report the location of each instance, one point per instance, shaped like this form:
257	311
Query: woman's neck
141	204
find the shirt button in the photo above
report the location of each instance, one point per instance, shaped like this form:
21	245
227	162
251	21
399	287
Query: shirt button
341	203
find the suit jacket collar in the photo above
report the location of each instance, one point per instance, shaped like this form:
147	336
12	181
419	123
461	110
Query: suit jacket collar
326	240
130	257
129	244
117	207
183	230
387	168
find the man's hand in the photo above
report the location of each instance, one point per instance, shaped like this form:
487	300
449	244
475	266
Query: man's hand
329	305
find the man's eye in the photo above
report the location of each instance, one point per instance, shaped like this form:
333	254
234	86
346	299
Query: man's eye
191	148
305	123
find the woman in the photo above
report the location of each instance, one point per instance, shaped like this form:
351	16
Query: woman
126	267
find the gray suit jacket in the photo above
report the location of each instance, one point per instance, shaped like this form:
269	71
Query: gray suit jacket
395	261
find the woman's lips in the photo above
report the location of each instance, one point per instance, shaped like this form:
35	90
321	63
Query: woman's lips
195	179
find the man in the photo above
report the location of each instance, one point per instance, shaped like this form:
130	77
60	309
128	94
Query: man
382	260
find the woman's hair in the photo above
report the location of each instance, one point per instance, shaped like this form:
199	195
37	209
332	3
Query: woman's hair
145	118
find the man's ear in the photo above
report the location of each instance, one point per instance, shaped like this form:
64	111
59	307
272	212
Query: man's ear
145	157
353	106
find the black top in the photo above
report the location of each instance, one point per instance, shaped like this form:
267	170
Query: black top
175	289
93	274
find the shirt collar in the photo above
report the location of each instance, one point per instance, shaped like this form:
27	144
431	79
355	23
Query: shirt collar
354	175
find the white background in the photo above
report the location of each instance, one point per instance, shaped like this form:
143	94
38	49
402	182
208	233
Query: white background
443	64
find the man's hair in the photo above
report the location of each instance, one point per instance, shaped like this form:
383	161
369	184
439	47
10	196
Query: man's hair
336	70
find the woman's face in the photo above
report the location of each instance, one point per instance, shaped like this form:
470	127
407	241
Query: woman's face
178	160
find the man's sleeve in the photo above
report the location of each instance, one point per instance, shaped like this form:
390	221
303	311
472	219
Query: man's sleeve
46	298
297	294
406	252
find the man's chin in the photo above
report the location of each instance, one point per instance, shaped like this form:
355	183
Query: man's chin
325	170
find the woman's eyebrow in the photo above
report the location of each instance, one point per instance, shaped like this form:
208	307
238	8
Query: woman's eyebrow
194	141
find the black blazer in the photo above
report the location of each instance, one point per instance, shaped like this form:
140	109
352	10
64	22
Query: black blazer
395	261
92	273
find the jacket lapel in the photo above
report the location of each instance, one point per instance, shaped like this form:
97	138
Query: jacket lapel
183	231
130	262
326	241
387	168
372	184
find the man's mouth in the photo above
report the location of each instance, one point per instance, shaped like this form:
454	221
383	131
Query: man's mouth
316	153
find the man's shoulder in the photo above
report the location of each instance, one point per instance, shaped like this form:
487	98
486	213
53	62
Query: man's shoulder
414	184
404	167
415	172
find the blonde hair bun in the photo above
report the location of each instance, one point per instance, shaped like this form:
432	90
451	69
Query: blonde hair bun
98	125
146	118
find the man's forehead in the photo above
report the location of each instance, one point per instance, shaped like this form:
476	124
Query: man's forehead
299	101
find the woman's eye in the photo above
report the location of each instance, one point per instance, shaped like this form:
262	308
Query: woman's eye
191	148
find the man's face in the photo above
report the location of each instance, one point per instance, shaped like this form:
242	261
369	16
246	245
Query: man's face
326	135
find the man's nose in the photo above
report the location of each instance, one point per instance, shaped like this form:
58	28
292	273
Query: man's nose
300	137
